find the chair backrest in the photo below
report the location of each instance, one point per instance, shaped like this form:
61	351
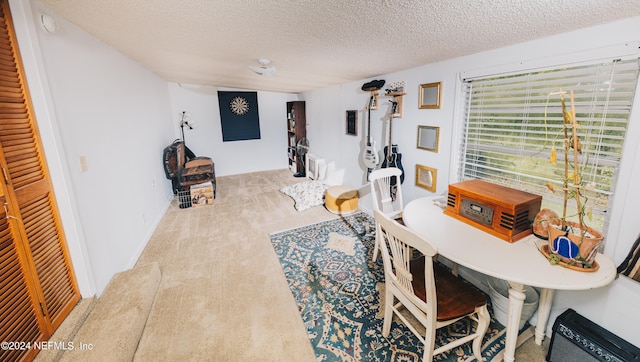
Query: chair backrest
397	264
381	194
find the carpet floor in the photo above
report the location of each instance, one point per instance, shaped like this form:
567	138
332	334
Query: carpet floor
223	294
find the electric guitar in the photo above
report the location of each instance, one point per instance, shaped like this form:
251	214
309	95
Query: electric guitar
370	154
393	158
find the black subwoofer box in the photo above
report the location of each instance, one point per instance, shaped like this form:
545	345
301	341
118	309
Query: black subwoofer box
575	338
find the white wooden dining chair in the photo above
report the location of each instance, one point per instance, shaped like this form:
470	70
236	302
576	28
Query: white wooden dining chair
427	290
383	199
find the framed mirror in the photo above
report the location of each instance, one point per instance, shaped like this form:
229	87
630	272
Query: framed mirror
426	177
428	138
430	95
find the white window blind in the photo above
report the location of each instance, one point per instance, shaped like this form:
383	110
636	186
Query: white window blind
513	121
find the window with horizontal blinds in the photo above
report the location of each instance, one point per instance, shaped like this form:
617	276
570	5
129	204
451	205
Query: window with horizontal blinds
513	121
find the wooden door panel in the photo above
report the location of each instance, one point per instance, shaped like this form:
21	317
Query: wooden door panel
37	281
49	256
26	194
18	310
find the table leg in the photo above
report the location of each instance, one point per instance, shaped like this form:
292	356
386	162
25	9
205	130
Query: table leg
544	309
516	301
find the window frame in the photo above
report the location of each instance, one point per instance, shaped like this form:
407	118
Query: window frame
458	153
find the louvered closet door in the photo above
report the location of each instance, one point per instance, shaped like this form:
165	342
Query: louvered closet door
18	313
33	222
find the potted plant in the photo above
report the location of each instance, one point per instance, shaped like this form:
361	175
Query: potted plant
570	243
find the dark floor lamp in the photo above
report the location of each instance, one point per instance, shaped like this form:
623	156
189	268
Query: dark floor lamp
185	120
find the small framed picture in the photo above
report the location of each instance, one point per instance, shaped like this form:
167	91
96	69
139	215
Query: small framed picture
426	177
352	122
430	95
428	138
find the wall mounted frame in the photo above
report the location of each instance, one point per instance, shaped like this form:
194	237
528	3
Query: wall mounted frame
239	116
428	138
430	95
352	122
426	177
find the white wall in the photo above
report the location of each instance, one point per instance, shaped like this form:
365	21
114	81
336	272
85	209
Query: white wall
614	306
237	157
93	102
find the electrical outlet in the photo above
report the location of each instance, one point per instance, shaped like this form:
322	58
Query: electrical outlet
83	164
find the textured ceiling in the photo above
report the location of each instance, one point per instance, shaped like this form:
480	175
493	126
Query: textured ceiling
317	43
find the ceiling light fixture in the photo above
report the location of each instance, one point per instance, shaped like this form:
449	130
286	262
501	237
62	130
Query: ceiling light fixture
263	69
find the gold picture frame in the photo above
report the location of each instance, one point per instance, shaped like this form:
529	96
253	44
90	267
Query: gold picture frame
430	95
428	138
426	177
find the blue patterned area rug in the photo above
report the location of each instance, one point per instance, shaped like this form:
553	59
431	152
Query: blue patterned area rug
338	290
